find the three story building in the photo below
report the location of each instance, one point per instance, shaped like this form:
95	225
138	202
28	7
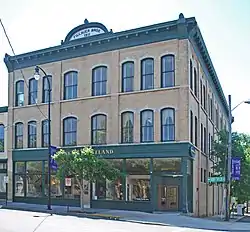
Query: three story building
147	99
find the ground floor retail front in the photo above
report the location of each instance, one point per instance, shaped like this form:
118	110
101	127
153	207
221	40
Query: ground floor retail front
157	177
3	175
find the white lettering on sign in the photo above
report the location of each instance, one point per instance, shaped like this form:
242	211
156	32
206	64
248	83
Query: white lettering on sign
87	33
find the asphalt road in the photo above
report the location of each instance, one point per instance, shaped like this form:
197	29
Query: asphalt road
20	221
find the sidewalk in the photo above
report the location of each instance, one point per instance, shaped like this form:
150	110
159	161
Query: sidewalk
163	219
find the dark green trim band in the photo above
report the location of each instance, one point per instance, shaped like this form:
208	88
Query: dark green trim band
3	109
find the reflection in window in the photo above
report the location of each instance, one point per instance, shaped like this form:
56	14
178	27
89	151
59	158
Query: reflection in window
147	126
147	74
128	76
167	164
34	185
127	127
19	135
99	81
98	129
70	131
33	90
56	187
167	125
167	71
73	191
45	133
47	87
110	190
138	179
1	138
70	85
19	93
2	183
19	185
32	134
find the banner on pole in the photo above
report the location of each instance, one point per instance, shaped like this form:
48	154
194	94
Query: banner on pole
53	163
235	170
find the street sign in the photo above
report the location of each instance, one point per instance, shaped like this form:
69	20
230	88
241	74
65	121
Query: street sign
235	174
216	179
67	182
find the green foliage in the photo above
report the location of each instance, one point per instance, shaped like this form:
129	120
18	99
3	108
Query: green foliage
240	148
84	165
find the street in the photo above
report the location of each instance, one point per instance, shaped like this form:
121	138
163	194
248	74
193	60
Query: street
21	221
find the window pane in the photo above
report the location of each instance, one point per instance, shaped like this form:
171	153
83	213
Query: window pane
32	91
19	185
99	81
1	138
110	190
19	167
34	167
128	77
70	131
73	191
138	179
20	93
127	127
32	134
46	87
56	188
70	85
2	183
167	164
34	185
99	129
168	125
147	126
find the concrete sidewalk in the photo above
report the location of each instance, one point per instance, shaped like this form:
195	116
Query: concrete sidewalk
164	219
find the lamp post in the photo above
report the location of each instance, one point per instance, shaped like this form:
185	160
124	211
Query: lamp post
229	158
37	77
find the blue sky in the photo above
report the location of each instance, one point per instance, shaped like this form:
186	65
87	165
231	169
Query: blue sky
225	25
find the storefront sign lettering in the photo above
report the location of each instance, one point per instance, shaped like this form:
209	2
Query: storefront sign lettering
104	152
87	32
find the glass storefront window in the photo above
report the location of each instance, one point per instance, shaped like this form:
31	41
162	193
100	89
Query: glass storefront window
34	167
3	166
2	183
19	167
167	164
34	185
19	185
56	188
138	179
73	191
110	190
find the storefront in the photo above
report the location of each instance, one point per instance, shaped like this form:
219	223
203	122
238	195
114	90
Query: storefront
3	175
157	177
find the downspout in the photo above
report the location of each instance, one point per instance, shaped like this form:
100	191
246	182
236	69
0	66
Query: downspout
60	105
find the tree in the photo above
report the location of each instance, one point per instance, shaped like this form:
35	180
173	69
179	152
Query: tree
84	165
240	148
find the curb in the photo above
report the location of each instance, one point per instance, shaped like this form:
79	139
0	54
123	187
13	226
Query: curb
82	215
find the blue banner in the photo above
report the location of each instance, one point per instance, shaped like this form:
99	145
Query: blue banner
53	163
235	171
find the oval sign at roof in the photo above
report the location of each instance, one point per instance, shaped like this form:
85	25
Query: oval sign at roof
87	32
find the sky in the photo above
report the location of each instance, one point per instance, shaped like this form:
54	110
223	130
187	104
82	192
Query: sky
225	26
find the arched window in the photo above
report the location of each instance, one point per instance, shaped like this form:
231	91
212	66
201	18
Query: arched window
147	126
128	76
19	93
147	74
191	74
195	83
33	89
45	133
1	138
70	85
32	133
99	81
167	124
46	87
19	135
99	129
127	127
167	71
70	131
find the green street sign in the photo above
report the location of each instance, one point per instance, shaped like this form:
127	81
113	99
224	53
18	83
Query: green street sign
216	179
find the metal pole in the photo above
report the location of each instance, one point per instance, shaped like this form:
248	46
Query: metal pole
49	146
228	163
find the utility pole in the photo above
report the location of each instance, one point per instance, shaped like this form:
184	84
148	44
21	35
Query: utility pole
228	163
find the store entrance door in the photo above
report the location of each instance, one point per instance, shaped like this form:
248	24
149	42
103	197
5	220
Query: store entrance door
168	197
